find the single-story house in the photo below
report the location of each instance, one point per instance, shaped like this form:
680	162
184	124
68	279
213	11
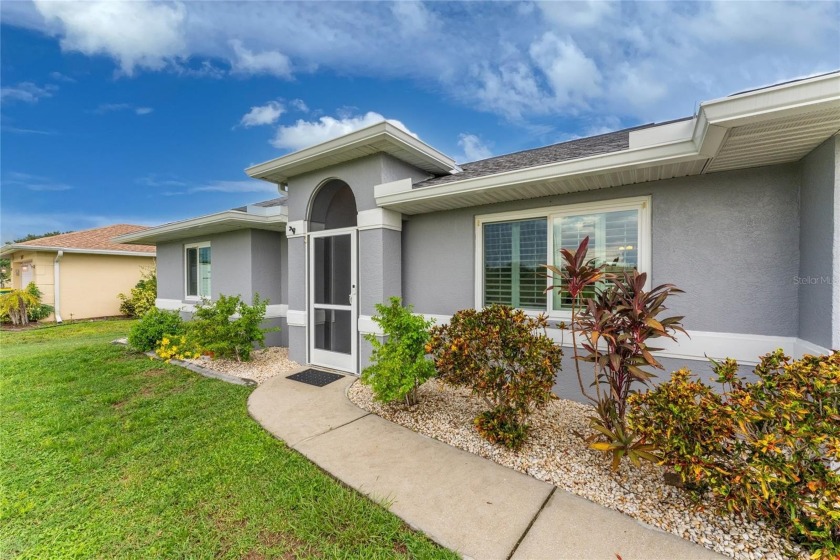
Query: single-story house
81	273
738	205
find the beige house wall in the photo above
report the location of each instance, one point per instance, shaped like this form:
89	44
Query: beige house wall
89	284
42	272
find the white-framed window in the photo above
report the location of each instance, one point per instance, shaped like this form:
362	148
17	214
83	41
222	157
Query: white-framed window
197	259
512	246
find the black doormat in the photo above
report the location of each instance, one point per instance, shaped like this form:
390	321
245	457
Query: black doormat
315	377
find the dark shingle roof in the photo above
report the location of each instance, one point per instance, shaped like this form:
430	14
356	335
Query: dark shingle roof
564	151
280	201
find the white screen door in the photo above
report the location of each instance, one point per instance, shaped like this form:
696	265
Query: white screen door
333	337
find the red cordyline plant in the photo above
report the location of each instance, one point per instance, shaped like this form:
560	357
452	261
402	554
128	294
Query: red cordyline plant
615	323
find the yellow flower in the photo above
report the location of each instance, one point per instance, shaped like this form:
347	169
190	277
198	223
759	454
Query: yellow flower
164	342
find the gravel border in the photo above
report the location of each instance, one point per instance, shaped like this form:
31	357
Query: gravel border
554	454
265	363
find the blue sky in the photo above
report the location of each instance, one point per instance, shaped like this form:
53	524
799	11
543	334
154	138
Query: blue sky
147	112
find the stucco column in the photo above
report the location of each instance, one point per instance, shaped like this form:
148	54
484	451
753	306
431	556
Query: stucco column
296	314
380	268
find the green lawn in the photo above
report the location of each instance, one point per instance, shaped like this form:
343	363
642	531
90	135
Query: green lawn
109	454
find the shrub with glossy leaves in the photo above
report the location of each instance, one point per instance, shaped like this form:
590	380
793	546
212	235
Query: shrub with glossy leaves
145	334
505	357
229	327
616	318
770	449
398	365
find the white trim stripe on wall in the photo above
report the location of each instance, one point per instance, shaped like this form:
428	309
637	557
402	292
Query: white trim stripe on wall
699	345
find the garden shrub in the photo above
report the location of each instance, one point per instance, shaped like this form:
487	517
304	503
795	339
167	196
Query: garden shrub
229	327
616	317
398	365
770	449
142	297
39	310
504	356
145	334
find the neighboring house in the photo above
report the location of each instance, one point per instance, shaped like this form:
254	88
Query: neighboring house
80	273
738	205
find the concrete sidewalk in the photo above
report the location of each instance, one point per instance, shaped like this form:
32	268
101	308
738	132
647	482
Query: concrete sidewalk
466	503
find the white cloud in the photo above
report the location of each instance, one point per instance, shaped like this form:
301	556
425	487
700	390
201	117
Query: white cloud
634	61
27	92
117	107
299	105
136	34
303	134
270	62
59	77
34	182
474	148
574	78
252	186
263	114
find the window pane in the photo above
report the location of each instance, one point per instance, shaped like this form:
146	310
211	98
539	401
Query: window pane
513	252
204	272
192	272
332	270
613	241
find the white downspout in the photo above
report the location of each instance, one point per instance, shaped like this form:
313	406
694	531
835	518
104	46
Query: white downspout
57	286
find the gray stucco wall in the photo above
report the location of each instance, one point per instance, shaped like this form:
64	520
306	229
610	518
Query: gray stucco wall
267	270
231	265
360	174
244	262
730	240
816	254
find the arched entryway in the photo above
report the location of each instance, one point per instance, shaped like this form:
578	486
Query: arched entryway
333	335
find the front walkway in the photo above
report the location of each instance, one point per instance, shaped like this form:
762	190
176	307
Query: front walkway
464	502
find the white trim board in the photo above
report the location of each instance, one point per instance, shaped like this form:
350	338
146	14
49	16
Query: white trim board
271	311
368	326
379	218
701	345
296	318
746	348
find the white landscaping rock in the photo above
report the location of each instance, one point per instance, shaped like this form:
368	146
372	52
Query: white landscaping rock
555	454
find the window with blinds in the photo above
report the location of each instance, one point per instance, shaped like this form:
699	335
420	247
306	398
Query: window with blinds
613	241
513	253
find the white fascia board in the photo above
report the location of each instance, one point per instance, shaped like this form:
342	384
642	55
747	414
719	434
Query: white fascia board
231	217
8	249
808	95
273	170
674	152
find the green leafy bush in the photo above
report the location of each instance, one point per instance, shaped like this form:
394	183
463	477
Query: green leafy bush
39	310
615	317
770	449
504	356
229	327
142	297
146	333
398	365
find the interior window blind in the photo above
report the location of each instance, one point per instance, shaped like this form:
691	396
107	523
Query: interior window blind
613	241
513	252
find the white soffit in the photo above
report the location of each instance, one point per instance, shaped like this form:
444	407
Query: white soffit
775	141
382	137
